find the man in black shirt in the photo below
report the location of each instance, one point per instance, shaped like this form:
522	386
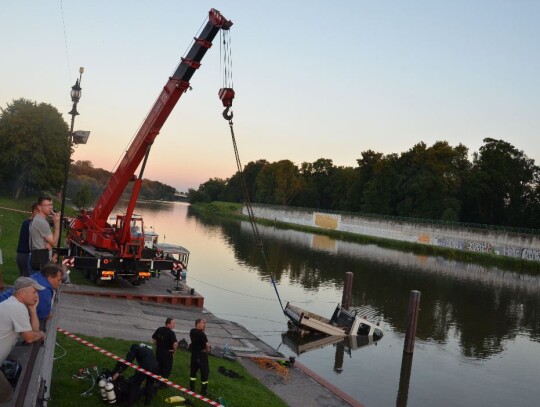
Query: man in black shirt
23	248
146	360
200	348
166	344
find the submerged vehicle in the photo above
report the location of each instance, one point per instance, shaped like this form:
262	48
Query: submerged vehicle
343	323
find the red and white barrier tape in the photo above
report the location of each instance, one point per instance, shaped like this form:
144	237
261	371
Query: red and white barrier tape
146	372
68	262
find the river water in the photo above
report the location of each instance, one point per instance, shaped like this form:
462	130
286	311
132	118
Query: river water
478	338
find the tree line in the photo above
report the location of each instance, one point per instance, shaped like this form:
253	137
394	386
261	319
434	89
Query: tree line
498	186
35	151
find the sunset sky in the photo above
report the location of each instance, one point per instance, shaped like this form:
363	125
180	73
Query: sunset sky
313	79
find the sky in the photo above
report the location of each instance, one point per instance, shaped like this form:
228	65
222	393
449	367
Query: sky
313	79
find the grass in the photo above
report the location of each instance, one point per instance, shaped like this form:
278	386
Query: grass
234	210
66	392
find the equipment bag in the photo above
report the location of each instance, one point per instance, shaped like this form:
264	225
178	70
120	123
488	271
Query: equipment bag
12	370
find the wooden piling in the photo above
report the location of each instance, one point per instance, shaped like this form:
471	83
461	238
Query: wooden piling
347	290
404	380
412	321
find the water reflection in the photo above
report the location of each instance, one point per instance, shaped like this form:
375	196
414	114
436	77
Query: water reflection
483	307
478	333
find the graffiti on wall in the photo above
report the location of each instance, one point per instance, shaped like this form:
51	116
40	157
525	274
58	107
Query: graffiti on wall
479	247
530	254
511	251
451	243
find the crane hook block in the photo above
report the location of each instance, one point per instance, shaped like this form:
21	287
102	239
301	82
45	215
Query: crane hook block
226	95
226	114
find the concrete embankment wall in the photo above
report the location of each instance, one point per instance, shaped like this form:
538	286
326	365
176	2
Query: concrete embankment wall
499	242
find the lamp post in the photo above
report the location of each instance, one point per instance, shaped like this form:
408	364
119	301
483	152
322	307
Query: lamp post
75	97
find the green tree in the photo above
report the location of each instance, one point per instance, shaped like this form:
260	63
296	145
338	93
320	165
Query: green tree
503	186
381	191
431	181
341	181
34	145
82	197
278	183
211	190
235	191
363	174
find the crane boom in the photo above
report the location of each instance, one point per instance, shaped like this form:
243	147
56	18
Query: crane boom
177	84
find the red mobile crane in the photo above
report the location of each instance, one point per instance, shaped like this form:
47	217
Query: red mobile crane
106	251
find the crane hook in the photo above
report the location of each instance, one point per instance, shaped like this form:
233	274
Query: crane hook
226	114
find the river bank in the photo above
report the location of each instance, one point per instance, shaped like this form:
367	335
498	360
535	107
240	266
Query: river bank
235	211
128	320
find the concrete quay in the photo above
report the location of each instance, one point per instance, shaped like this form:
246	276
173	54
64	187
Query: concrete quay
136	320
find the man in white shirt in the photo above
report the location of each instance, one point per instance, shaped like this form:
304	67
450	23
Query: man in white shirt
18	316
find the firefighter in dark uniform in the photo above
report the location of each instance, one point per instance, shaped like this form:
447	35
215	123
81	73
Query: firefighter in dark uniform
146	360
166	344
200	348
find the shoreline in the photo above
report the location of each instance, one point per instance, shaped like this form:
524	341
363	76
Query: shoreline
130	319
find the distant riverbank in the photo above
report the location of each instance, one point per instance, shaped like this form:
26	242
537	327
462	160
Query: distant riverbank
234	210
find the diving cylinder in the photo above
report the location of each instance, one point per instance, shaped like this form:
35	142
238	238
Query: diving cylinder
102	390
111	395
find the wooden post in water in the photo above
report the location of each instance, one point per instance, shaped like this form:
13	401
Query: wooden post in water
412	321
347	290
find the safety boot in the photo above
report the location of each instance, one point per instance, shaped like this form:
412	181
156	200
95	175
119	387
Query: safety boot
204	388
192	383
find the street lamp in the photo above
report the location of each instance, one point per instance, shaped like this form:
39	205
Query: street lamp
75	97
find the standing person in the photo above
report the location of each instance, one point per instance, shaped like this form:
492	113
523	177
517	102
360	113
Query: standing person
18	315
166	344
200	348
146	360
42	239
23	248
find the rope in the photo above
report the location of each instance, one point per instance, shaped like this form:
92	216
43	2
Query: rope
65	38
139	369
226	58
250	211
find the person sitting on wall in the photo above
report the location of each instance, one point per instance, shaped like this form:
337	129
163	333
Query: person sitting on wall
50	277
18	316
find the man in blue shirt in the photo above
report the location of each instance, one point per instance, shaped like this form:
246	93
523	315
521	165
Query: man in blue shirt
49	277
23	248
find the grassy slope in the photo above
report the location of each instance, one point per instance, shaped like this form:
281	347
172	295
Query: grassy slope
234	210
66	392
